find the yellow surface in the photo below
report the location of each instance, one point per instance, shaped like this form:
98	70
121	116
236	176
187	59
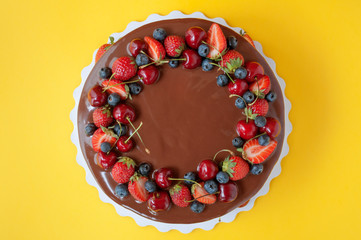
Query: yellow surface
44	46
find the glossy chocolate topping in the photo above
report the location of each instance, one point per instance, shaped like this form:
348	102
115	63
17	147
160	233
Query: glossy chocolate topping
186	118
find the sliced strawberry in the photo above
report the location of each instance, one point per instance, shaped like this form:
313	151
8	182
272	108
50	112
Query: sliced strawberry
101	135
248	39
201	195
155	49
261	86
115	86
137	189
256	153
216	41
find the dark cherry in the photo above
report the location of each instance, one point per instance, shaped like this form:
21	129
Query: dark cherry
207	169
123	146
193	60
159	201
161	177
122	112
246	130
272	127
105	160
253	68
228	192
239	87
149	75
97	97
137	45
194	36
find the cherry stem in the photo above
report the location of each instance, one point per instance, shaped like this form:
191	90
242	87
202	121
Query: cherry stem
223	150
235	95
135	131
140	138
182	179
223	69
205	195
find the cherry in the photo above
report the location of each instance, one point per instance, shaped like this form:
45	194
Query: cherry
228	192
97	97
159	201
194	36
124	113
239	87
137	45
149	75
246	130
253	68
272	127
124	144
105	160
207	169
162	177
193	60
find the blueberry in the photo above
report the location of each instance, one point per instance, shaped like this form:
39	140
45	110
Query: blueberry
150	186
263	140
248	96
159	34
120	130
240	103
144	169
240	73
211	186
232	42
105	147
237	142
271	96
191	176
141	59
256	169
105	72
203	50
260	121
222	80
121	190
207	65
222	177
113	99
90	128
197	207
135	88
173	63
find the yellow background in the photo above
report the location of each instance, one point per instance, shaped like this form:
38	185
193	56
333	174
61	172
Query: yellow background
44	46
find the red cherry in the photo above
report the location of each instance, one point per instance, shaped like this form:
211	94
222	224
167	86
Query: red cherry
194	36
193	60
105	160
97	97
246	130
207	169
239	87
272	127
253	68
228	192
137	45
161	177
124	146
159	201
149	75
123	112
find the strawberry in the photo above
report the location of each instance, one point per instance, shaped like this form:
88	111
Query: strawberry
261	86
101	135
174	45
248	38
102	116
236	167
137	189
256	153
216	40
231	61
123	170
260	107
115	86
103	48
155	49
124	68
180	195
201	195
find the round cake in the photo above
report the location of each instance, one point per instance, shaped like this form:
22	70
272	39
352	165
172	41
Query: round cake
204	111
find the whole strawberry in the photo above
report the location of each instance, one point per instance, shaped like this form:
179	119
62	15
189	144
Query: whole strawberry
180	195
136	187
174	45
260	107
123	170
124	68
101	135
231	61
103	116
103	48
248	38
236	167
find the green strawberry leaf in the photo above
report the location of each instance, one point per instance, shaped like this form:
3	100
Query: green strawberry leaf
127	160
111	40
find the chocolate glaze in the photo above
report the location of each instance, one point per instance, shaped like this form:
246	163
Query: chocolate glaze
186	118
